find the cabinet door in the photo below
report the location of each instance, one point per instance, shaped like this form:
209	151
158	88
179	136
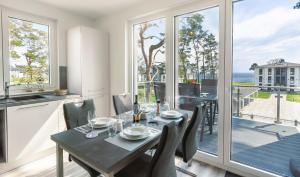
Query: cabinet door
101	104
95	73
29	129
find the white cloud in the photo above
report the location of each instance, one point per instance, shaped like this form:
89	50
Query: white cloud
266	24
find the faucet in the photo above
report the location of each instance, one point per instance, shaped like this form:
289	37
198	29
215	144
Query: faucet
6	89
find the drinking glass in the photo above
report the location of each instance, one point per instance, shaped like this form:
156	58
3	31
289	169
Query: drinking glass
90	117
166	104
112	129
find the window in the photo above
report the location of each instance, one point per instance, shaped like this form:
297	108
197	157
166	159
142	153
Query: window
246	148
260	71
269	71
277	71
292	80
150	60
292	71
29	50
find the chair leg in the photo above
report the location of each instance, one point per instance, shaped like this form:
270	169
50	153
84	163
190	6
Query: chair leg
190	162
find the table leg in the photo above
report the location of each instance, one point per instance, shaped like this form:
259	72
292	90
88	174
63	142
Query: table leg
210	117
59	161
214	115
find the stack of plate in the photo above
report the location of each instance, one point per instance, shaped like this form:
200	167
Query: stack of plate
171	114
102	122
135	133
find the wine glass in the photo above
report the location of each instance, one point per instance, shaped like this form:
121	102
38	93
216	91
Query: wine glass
91	116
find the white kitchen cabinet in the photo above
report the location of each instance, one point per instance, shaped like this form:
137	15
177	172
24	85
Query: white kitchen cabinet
88	66
88	62
29	128
101	104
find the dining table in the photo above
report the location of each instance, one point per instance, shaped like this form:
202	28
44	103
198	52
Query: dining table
109	154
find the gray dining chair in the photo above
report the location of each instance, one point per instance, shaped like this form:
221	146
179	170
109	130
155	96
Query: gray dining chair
162	164
295	167
76	115
122	103
189	144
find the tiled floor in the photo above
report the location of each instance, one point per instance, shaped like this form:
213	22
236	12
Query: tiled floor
46	168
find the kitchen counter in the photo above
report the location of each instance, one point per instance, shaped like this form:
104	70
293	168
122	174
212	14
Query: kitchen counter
45	98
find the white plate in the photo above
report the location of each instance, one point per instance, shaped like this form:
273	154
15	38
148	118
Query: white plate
136	131
122	135
171	114
102	122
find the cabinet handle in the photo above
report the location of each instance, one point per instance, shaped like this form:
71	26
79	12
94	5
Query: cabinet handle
35	106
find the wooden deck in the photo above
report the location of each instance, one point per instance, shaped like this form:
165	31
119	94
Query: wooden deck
265	146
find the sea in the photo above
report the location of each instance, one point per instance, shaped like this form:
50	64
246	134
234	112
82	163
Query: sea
243	77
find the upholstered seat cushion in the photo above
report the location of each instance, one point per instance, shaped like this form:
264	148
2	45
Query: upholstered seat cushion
295	167
138	168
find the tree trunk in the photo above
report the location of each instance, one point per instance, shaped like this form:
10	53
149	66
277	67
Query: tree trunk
148	85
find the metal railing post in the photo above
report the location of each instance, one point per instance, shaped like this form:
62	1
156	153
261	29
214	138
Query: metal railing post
238	102
278	107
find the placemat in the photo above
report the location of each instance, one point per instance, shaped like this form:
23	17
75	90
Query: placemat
132	145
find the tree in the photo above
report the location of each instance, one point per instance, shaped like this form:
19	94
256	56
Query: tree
184	52
211	54
150	53
28	47
197	43
253	66
297	6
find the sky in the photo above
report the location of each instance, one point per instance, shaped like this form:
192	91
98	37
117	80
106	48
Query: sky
264	30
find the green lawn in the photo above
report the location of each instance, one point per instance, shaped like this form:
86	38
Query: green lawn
294	97
262	95
141	94
244	83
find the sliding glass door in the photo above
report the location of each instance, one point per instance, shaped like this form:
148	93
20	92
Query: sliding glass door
265	85
238	58
197	71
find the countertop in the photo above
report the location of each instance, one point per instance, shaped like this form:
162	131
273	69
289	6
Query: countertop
46	98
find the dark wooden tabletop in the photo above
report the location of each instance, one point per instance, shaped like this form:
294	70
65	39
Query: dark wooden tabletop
98	153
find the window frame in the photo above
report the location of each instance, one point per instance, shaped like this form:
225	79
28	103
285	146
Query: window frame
53	57
1	58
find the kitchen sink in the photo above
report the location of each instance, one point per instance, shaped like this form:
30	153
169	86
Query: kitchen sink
26	98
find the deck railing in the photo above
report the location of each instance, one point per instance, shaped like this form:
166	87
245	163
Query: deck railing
278	90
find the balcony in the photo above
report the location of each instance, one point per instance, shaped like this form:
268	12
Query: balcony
265	128
265	123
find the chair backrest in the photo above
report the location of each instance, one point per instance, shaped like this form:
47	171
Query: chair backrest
209	86
122	103
189	140
163	161
192	90
160	91
76	113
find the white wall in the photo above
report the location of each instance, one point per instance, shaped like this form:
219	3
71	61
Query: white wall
117	26
65	20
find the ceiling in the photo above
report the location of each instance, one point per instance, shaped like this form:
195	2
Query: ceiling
93	8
